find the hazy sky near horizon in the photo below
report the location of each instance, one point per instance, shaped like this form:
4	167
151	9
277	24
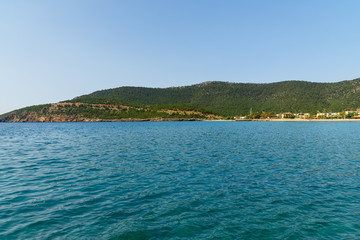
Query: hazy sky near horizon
56	50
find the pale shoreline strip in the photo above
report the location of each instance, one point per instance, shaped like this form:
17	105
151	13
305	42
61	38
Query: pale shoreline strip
299	120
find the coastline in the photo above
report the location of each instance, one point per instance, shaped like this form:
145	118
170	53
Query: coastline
300	120
191	119
109	120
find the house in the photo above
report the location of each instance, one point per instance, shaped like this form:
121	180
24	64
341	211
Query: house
353	112
303	115
321	115
287	115
334	115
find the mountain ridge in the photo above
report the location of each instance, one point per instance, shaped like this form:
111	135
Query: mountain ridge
217	97
229	98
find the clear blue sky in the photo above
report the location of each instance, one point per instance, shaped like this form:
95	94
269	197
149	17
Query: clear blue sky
56	50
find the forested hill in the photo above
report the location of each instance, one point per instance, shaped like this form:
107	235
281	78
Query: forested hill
205	101
237	98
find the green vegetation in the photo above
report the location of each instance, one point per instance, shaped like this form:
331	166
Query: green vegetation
66	111
261	115
231	99
38	109
108	112
197	101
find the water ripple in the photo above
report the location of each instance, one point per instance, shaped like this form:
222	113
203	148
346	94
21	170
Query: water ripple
180	180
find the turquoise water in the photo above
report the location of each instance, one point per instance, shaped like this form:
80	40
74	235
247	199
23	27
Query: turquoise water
180	180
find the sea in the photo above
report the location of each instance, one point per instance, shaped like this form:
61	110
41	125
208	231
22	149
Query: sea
180	180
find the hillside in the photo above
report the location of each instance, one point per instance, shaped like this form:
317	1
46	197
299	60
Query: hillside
237	98
208	100
88	112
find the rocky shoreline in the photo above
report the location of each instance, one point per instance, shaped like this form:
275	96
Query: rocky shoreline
64	120
69	119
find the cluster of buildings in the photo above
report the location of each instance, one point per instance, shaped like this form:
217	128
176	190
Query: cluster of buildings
293	115
320	115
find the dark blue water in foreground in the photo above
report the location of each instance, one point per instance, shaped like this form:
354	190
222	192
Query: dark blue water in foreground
180	180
